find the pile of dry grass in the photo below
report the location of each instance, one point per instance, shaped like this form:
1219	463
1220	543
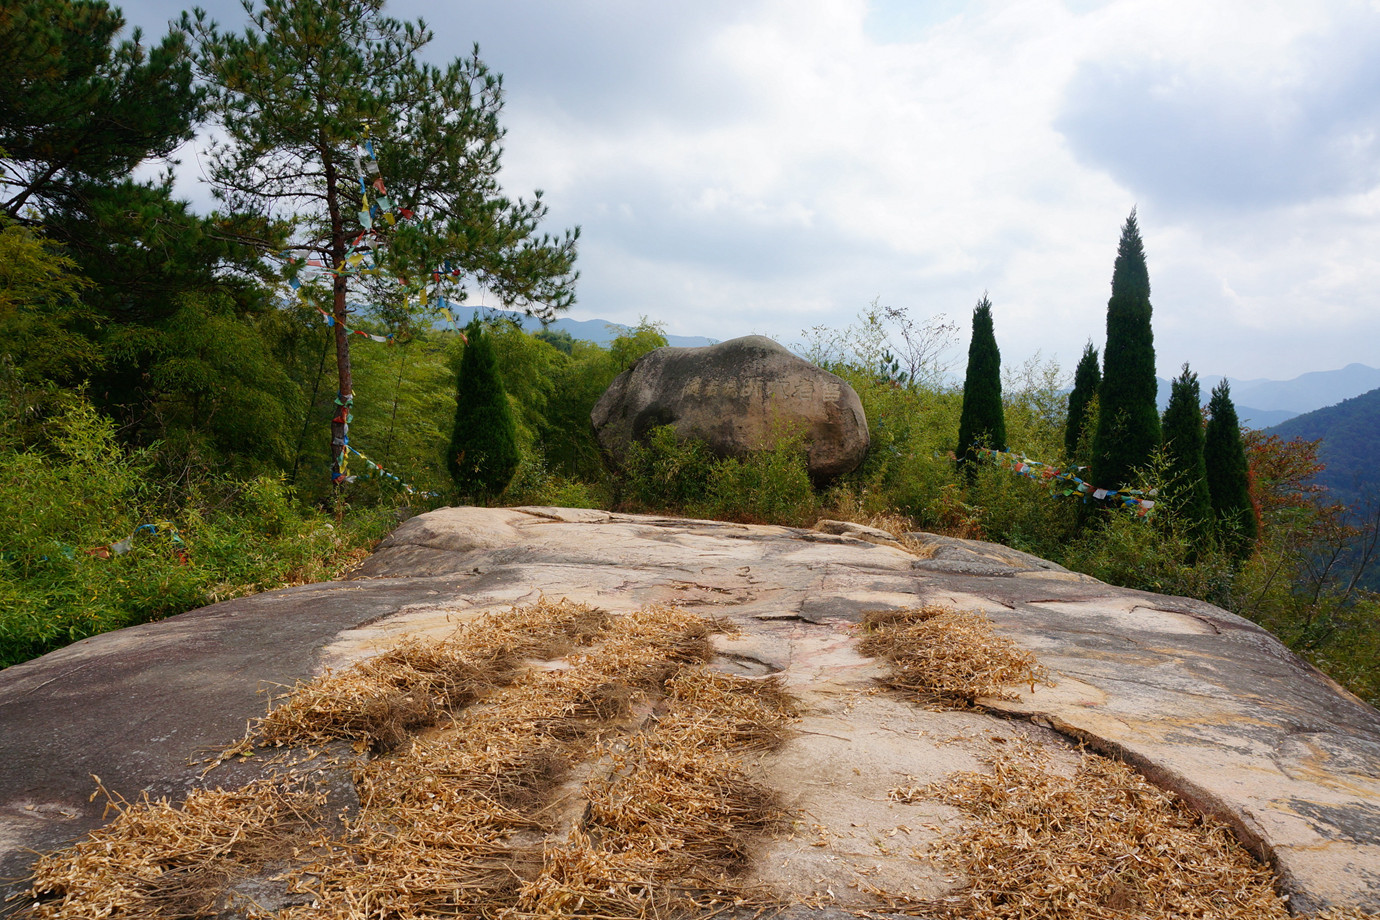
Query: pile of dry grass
453	823
380	702
441	827
157	860
948	656
1100	844
671	825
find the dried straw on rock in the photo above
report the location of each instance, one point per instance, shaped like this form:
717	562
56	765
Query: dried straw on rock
948	656
1103	843
159	860
381	701
465	819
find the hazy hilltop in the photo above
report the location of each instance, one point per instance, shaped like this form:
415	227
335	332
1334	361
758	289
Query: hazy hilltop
598	331
1350	432
1262	403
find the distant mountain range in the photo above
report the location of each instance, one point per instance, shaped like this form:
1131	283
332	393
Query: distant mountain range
598	331
1264	403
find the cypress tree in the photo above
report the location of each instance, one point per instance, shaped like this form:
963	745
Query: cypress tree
1128	421
982	422
1228	474
483	448
1186	489
1086	380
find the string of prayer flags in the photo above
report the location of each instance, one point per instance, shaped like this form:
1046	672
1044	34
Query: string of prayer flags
120	547
340	446
359	258
1067	484
454	323
377	469
386	339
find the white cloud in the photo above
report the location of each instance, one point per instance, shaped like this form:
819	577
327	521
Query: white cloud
766	166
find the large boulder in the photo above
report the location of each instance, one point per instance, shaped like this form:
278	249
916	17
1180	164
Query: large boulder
739	397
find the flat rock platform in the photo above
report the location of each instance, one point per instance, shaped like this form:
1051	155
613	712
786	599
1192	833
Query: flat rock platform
1199	701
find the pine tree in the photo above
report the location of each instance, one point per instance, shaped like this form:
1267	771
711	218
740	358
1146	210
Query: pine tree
1086	380
88	104
983	421
295	94
83	109
1185	490
1228	476
1128	421
483	447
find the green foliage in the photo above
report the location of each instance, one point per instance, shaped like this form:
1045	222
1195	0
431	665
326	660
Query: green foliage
1033	407
1012	509
1304	582
558	339
566	435
41	317
1018	512
909	464
1087	378
1128	421
624	350
1185	489
771	487
982	422
60	510
210	386
528	366
535	483
483	451
84	109
665	472
1129	552
1228	478
404	409
93	108
296	91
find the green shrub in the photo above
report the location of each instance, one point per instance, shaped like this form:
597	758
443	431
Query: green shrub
536	484
1131	552
665	473
909	463
771	487
74	565
1019	512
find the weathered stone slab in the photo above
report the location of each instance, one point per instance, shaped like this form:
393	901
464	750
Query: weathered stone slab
1201	701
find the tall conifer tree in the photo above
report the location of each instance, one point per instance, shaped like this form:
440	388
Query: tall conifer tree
296	92
1186	488
1228	474
1128	420
84	108
1087	378
483	446
983	421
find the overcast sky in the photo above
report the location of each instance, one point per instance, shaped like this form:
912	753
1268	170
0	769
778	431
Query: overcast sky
767	166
